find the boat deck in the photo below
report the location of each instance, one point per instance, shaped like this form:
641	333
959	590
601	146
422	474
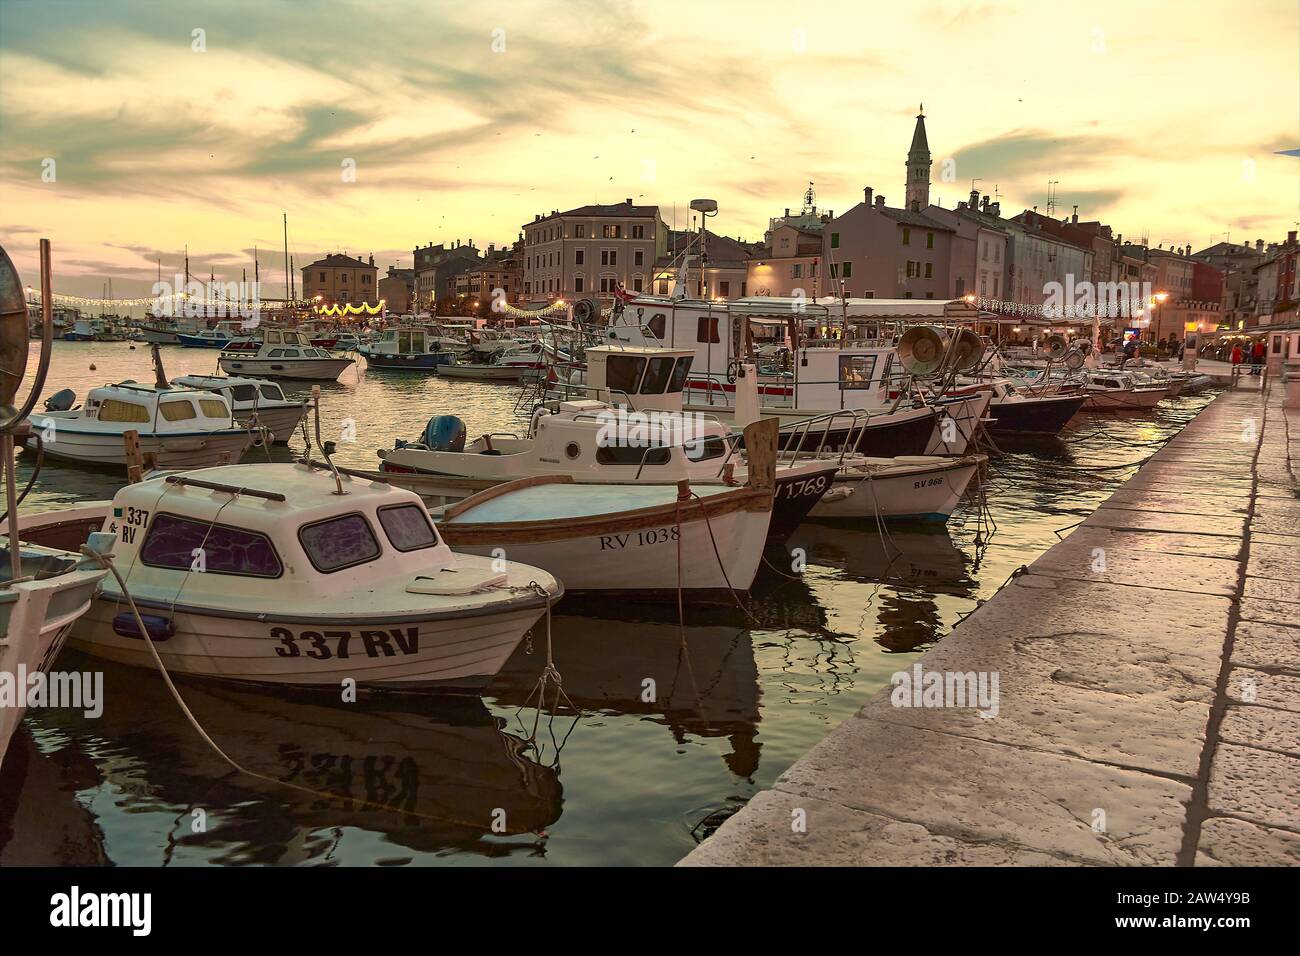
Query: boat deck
562	500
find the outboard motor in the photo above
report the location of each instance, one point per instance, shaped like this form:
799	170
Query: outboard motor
61	400
444	433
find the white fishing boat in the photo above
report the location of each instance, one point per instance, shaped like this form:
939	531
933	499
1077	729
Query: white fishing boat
284	353
920	488
43	590
1109	391
289	574
39	603
177	427
1022	411
258	402
650	540
592	441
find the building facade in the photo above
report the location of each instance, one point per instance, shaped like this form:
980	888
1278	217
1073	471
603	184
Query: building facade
397	290
339	279
588	251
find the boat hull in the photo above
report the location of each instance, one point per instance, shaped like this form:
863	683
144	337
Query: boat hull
199	342
425	362
281	422
482	373
454	652
310	370
188	450
638	553
926	492
1034	416
1124	399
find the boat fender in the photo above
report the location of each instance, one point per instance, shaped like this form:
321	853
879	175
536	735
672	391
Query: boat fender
837	494
60	401
444	433
159	628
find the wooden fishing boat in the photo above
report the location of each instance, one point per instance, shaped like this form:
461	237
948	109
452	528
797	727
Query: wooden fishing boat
287	574
702	541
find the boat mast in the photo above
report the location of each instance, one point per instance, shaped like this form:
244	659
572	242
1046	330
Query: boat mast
287	274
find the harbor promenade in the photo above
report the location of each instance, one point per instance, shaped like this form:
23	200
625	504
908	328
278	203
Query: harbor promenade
1148	706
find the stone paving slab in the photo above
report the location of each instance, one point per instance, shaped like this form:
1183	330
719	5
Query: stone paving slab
1228	842
1264	727
769	839
1149	499
1273	560
1251	686
1274	591
1196	545
1125	518
983	792
1271	647
1256	785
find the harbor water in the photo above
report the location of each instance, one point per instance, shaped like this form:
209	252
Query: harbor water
670	729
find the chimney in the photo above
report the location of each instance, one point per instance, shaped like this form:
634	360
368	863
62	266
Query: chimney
974	198
880	201
1075	217
866	195
787	212
628	200
984	204
1290	238
995	208
1259	245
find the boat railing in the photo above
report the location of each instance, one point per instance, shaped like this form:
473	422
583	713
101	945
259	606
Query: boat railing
856	420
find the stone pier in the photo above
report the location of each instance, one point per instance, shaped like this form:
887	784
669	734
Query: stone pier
1149	692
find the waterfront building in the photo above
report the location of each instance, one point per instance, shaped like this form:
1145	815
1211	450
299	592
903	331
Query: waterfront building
588	251
340	279
397	290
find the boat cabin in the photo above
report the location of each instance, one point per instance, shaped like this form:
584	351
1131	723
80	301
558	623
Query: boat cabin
242	393
261	528
640	377
288	344
405	340
147	408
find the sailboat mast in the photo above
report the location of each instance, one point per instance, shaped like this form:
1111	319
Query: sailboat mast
287	273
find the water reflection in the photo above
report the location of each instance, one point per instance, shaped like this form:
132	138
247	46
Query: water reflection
700	682
430	773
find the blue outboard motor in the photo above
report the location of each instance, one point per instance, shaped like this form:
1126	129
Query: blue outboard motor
61	400
444	433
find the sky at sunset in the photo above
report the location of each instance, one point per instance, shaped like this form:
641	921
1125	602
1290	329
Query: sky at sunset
465	119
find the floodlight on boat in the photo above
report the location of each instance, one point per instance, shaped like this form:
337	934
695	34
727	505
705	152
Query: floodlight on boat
921	350
706	206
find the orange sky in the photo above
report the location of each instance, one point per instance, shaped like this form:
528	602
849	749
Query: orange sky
464	120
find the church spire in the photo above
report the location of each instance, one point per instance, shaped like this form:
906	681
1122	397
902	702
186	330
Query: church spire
918	165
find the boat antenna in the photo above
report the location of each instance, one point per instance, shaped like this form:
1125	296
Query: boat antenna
160	376
326	447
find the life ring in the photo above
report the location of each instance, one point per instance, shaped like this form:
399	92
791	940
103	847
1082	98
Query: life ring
733	368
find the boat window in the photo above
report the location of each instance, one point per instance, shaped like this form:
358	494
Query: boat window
290	353
177	411
214	408
408	527
679	374
276	353
272	392
705	449
112	410
623	372
657	325
633	455
657	376
706	329
244	393
185	545
856	371
339	543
